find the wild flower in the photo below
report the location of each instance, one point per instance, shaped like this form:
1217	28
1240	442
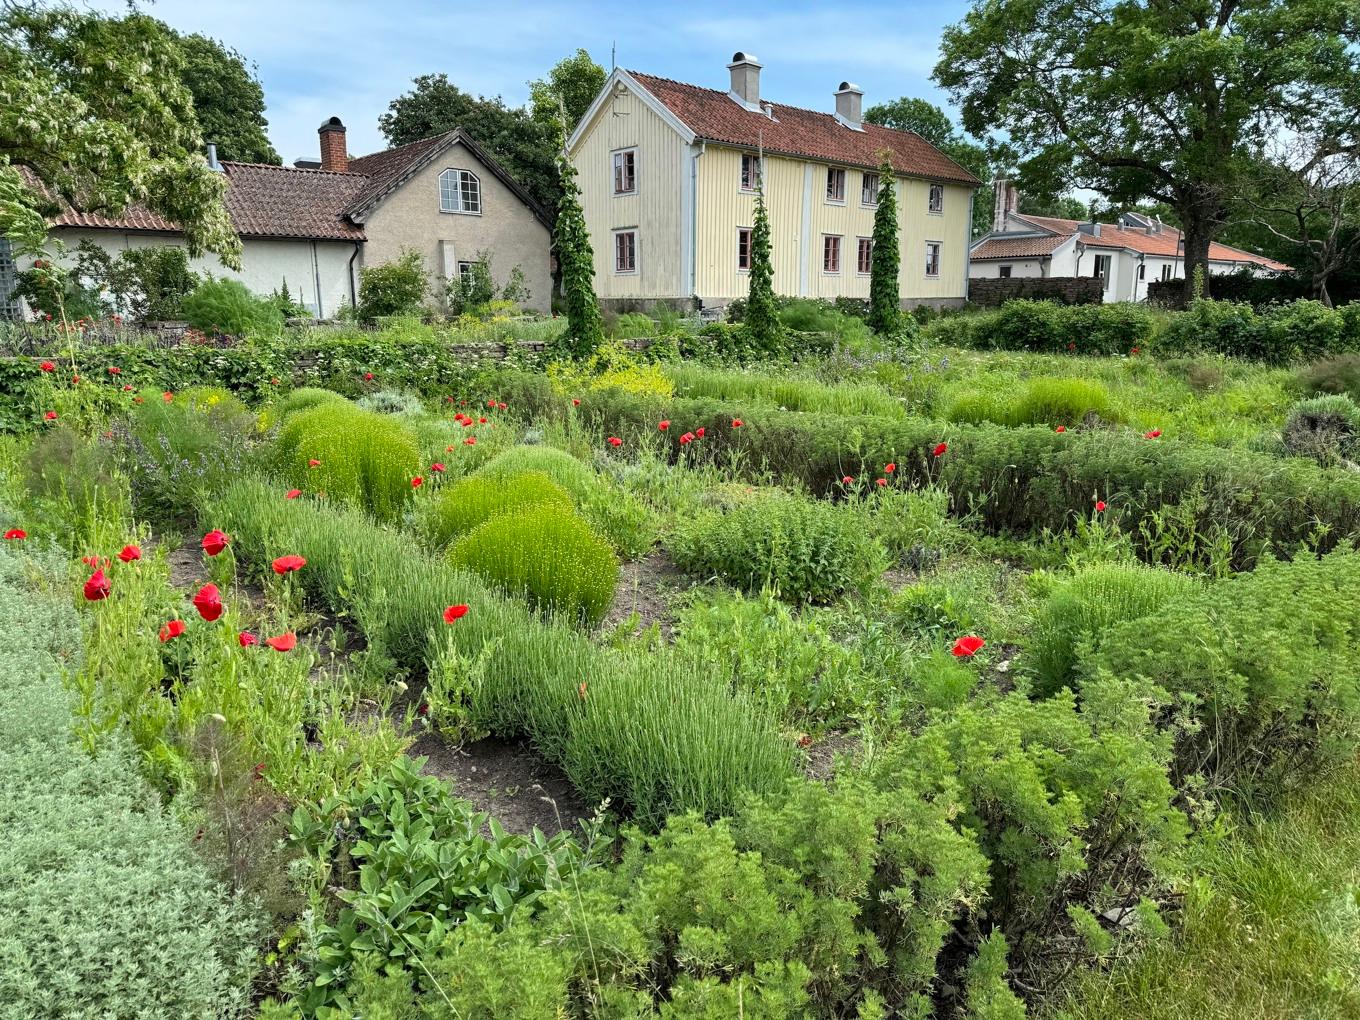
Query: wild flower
15	533
245	639
966	647
215	541
171	630
940	449
208	602
292	494
129	553
283	642
288	564
453	613
97	586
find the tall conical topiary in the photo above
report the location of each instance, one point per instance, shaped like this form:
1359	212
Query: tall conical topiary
885	304
585	326
762	314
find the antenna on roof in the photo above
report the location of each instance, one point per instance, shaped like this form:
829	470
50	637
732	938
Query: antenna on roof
613	53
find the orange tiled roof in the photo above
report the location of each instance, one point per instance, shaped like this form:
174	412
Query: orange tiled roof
715	117
1164	243
1022	247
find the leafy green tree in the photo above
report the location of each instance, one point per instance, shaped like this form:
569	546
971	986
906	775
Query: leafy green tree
576	259
933	124
885	303
522	145
1145	99
762	312
95	117
575	80
228	99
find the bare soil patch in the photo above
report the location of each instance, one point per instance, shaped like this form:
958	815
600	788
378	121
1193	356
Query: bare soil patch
646	588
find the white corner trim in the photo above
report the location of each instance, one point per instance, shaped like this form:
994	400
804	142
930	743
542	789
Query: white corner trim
649	100
805	238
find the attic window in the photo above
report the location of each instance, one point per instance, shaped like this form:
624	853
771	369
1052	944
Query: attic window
460	192
937	198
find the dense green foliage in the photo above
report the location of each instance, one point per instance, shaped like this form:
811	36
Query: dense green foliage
585	327
472	501
884	298
393	288
762	314
227	306
228	99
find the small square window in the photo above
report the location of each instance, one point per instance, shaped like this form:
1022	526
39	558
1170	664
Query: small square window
868	189
625	172
835	184
750	171
744	249
625	251
465	270
831	253
864	256
933	258
1004	272
937	198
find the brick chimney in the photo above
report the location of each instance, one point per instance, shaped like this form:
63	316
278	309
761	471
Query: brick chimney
849	103
334	155
745	69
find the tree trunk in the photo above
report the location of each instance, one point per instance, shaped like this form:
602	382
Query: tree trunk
1320	288
1197	227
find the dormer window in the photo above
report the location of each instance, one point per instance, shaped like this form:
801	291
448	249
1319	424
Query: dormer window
750	171
460	192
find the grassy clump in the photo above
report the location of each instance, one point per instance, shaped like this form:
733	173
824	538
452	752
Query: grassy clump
1096	598
805	550
564	469
789	391
365	458
1325	428
104	908
546	553
1044	401
473	501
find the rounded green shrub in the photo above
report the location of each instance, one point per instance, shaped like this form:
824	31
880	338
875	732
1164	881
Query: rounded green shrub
546	554
577	478
364	457
977	407
303	399
807	550
1060	401
1340	374
1326	428
228	306
1096	598
468	503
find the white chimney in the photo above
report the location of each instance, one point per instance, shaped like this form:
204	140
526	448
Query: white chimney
1006	200
849	104
745	70
212	158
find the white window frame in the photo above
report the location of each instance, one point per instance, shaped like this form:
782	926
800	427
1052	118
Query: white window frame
835	173
750	248
859	243
615	158
619	232
456	191
1003	272
939	259
759	166
933	207
864	180
840	253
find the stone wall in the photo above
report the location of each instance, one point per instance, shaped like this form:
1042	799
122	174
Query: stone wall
1066	290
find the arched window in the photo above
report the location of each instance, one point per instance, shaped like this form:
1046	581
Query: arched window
460	192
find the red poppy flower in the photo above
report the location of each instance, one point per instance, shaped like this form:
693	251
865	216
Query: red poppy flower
417	482
736	423
75	379
880	482
1071	346
437	467
208	602
424	709
1134	351
470	441
448	449
663	425
453	613
127	387
288	564
292	494
482	421
313	462
1061	428
282	643
804	740
129	553
615	441
47	366
50	416
848	479
966	647
15	533
890	467
215	541
469	421
940	449
490	403
575	402
368	377
171	630
90	561
502	406
114	370
167	396
1100	506
97	587
699	432
687	438
245	639
1155	433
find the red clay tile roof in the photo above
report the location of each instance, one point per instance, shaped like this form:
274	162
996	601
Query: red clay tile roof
384	169
1022	247
263	201
1166	243
715	117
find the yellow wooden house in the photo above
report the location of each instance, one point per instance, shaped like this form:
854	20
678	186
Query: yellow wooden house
669	172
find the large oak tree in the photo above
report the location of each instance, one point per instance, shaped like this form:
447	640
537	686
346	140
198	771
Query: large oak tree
1159	99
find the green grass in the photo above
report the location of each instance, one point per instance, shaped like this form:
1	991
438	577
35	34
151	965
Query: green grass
796	393
1271	926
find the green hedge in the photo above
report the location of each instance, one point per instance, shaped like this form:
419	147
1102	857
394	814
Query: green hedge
1019	480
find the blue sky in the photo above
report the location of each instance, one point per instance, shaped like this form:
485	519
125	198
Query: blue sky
349	59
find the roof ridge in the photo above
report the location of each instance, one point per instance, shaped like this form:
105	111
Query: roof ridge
406	145
293	169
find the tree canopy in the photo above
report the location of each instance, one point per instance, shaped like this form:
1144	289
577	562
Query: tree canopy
576	80
520	143
1144	99
228	99
92	108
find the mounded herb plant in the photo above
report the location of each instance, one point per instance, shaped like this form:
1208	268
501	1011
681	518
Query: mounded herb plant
470	502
